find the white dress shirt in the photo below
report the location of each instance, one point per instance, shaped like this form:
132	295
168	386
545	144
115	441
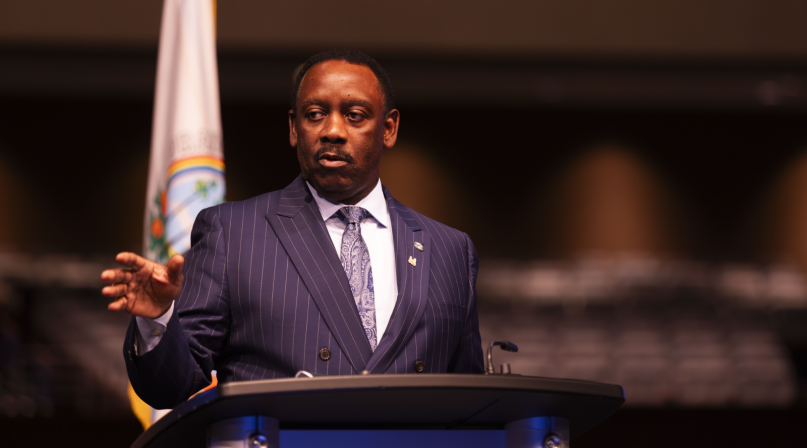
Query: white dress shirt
377	233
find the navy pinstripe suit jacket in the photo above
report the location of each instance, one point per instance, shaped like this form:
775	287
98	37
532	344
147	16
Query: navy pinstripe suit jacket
265	291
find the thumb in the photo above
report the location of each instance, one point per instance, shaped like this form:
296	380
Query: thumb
175	265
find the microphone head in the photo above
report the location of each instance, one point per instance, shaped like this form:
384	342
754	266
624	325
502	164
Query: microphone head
507	346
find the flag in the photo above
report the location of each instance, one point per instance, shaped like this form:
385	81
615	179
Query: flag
186	169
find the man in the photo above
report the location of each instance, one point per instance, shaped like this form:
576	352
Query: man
330	275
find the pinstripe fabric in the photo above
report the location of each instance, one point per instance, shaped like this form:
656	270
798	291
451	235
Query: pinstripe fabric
265	291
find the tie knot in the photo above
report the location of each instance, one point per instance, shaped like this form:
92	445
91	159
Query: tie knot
352	214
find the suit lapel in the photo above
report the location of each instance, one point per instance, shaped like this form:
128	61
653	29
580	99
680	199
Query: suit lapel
413	284
298	225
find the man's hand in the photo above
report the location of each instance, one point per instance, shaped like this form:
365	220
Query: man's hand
144	288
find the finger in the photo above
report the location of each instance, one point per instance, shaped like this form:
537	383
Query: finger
131	260
117	276
114	290
159	274
175	265
117	305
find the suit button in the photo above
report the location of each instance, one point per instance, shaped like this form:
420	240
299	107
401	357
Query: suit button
324	354
419	366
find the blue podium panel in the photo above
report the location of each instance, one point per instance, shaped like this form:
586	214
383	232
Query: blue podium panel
492	438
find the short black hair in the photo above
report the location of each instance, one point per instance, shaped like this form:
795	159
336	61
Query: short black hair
353	57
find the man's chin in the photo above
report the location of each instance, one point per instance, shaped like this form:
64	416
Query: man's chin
331	185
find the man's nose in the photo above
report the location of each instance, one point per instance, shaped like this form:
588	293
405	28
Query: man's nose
335	129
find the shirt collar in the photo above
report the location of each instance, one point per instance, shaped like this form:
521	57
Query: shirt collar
373	203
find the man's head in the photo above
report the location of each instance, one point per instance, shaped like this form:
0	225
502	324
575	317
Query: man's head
342	119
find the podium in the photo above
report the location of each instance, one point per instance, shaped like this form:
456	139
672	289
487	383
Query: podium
411	410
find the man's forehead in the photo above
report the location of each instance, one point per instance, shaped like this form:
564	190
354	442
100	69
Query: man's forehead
340	74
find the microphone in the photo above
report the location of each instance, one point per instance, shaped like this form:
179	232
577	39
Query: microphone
506	346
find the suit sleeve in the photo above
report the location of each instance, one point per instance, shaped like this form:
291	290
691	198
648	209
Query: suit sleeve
181	363
468	355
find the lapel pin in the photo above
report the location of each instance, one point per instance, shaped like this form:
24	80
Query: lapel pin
418	246
413	261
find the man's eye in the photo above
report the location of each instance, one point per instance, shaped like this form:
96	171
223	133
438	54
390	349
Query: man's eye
315	115
354	116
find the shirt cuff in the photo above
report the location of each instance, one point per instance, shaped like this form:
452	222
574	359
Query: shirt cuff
150	331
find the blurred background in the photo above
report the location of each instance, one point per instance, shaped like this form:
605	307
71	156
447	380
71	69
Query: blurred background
647	162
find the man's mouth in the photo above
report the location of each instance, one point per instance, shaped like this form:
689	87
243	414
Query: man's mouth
332	161
329	158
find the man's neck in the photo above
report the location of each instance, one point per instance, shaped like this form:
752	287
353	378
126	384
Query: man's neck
375	203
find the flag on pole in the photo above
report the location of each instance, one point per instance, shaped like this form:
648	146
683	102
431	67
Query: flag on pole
186	169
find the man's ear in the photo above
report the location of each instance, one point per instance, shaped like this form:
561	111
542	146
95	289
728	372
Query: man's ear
292	129
391	128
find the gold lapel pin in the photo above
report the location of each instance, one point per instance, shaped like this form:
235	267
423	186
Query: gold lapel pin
413	261
418	246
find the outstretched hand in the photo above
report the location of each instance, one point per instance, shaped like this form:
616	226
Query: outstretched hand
144	288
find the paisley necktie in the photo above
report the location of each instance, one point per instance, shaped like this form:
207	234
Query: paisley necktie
355	259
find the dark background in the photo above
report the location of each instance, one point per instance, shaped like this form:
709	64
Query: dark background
78	183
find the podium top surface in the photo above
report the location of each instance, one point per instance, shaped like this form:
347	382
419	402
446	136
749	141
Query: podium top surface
411	401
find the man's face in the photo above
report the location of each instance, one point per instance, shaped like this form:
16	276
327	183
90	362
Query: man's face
340	130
